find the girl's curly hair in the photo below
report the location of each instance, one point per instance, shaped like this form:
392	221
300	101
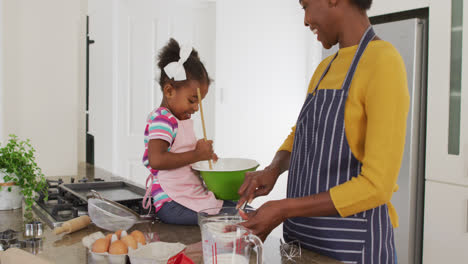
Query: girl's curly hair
194	68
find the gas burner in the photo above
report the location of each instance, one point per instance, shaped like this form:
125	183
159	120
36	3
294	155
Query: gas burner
66	201
64	211
84	180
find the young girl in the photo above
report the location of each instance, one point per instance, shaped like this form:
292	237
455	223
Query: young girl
170	142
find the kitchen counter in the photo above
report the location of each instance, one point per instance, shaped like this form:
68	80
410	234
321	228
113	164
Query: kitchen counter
68	248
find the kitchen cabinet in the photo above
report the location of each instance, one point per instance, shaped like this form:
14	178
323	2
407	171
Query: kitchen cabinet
446	187
445	224
447	108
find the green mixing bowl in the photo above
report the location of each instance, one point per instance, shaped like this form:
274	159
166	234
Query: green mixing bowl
226	177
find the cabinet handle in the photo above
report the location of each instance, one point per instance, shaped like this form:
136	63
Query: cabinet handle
467	216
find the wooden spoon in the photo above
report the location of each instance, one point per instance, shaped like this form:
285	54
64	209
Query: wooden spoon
203	121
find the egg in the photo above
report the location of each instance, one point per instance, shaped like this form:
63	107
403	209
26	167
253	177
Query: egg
101	245
118	232
109	237
139	237
130	241
118	248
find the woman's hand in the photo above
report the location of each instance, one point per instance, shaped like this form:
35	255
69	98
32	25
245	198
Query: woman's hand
262	221
204	150
257	183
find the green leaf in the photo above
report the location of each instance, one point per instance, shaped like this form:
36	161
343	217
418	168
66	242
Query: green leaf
18	163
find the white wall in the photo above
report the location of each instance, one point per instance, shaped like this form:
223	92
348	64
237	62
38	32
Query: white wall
206	47
41	46
262	72
380	7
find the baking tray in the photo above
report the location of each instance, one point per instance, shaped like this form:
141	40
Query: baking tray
118	191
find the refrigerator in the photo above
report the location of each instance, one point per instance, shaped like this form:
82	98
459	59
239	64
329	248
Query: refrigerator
410	39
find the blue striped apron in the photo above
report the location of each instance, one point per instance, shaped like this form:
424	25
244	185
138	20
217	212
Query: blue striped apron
321	158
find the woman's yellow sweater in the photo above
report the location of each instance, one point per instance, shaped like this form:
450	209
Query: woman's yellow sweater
375	124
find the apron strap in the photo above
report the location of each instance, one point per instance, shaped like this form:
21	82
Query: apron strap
365	40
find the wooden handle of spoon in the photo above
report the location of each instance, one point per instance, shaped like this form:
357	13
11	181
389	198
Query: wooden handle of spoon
203	121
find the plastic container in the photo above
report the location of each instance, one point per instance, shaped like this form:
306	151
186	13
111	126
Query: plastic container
110	217
226	177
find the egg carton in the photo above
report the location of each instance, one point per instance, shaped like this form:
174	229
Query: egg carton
154	252
103	258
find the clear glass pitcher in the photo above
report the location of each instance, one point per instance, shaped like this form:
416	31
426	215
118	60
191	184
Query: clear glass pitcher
223	240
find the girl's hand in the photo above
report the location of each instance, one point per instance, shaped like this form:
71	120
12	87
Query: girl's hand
204	150
257	183
262	221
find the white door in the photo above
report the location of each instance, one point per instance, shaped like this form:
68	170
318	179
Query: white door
144	27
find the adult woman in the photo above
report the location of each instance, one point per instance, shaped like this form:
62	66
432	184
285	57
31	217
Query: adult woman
345	152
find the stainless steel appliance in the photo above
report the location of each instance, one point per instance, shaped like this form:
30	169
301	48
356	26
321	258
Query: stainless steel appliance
409	37
69	200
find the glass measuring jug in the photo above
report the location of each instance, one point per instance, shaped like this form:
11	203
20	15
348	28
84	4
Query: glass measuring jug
225	242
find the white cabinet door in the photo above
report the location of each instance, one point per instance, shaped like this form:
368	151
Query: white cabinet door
445	224
441	164
143	28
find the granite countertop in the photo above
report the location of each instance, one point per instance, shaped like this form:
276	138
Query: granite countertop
69	249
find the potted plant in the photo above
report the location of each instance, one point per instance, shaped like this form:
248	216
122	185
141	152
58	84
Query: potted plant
19	176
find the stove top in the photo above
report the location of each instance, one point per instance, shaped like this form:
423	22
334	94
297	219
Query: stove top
64	205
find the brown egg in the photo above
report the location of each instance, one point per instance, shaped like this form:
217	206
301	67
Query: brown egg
118	232
109	237
101	245
130	241
139	237
118	248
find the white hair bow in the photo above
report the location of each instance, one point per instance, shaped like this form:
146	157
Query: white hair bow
175	70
